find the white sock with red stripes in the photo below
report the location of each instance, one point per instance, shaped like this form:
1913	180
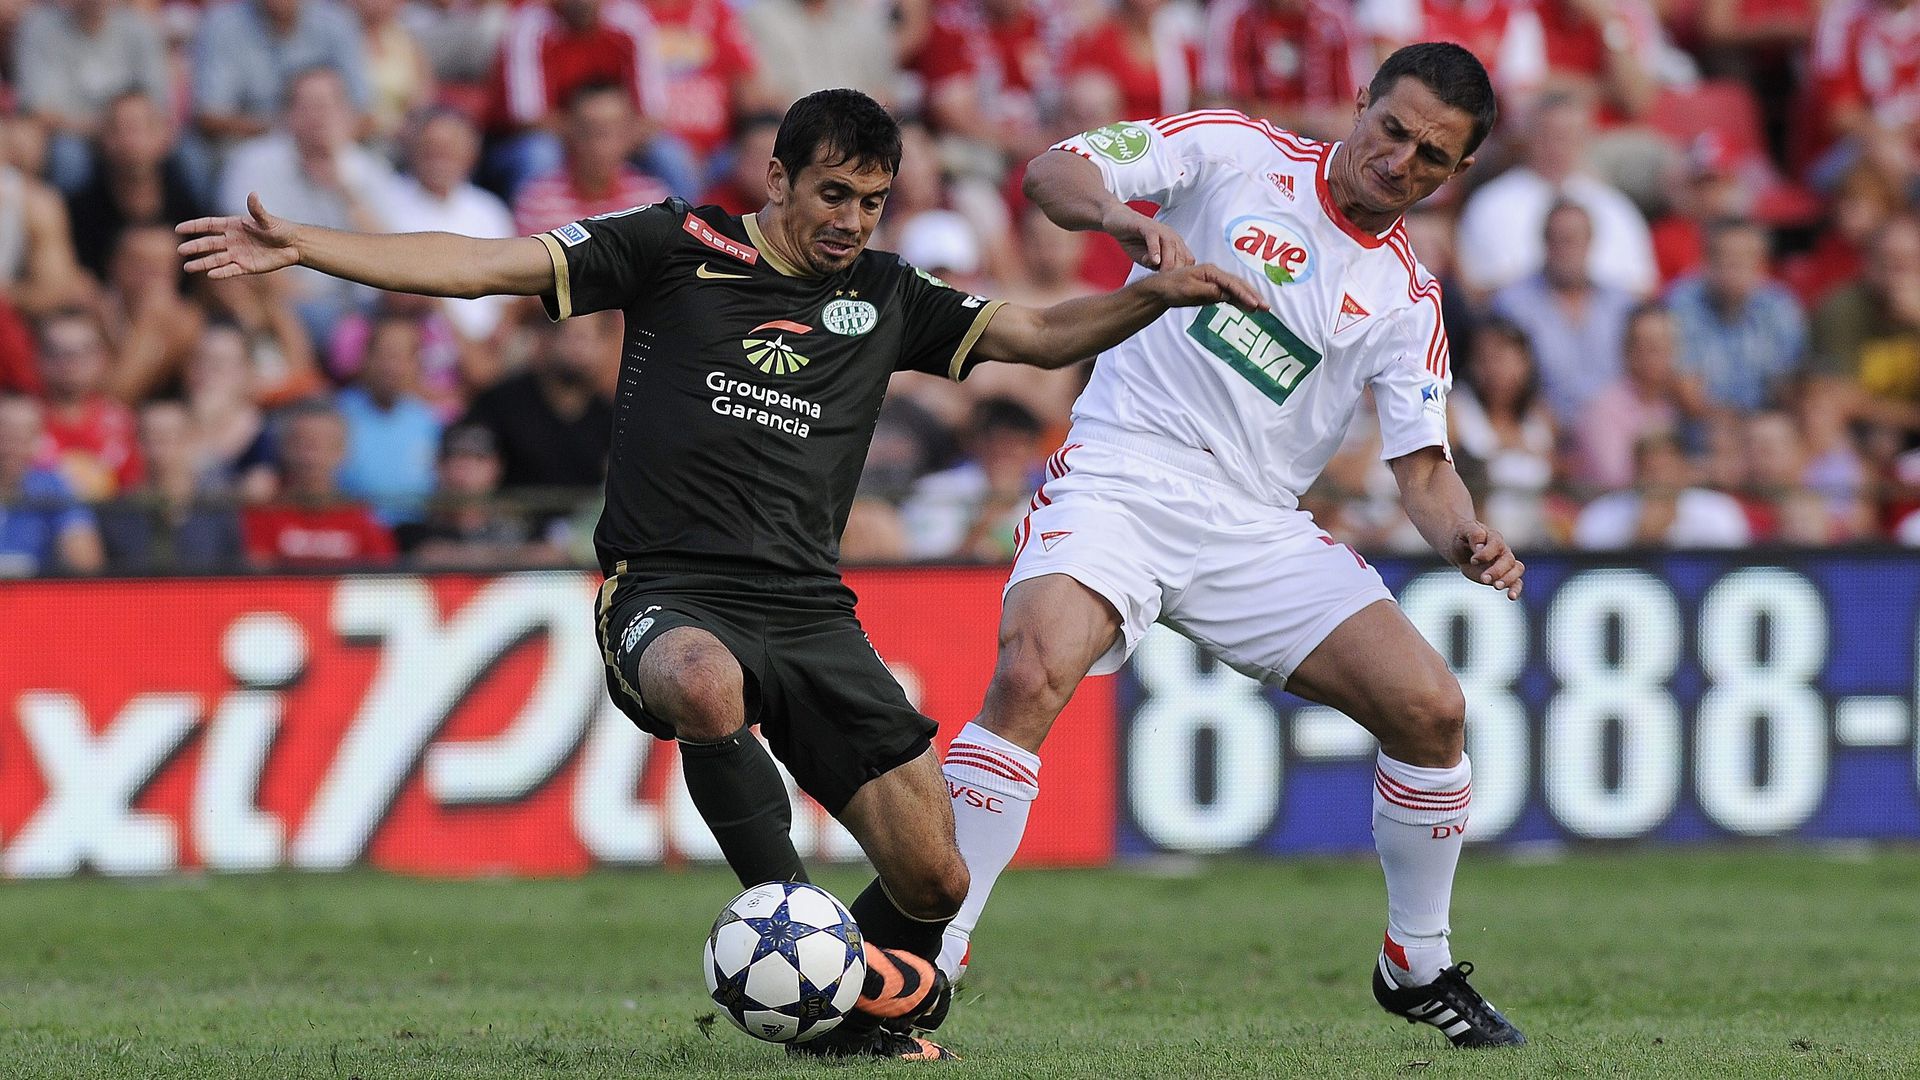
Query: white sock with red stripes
993	784
1419	823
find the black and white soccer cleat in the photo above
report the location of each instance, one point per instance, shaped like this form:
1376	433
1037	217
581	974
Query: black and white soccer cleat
1448	1003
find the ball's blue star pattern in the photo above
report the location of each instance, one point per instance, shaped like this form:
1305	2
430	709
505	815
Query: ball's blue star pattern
778	933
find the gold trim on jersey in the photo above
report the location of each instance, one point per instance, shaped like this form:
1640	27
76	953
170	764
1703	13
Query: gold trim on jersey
967	343
605	605
759	241
562	284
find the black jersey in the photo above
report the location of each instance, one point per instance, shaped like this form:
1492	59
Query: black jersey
748	390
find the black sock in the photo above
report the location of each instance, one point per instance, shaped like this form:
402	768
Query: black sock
888	927
739	794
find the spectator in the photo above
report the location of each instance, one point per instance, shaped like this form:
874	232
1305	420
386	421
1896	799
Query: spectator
1663	510
176	520
235	446
1298	63
594	176
38	272
808	45
439	196
399	78
1503	437
1147	48
465	524
1740	332
1705	188
392	433
1050	258
90	435
151	326
314	172
42	528
1776	462
969	511
1655	397
907	440
1607	50
1867	88
986	70
551	53
1835	470
311	523
1865	201
1867	334
1573	323
137	181
461	39
247	56
1503	218
552	423
1505	35
71	60
743	187
711	73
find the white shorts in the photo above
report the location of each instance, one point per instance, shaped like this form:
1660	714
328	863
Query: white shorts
1152	526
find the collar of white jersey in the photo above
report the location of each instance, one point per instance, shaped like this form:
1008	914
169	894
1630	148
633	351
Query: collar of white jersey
1359	235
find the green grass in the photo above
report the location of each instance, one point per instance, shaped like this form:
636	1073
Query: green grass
1746	963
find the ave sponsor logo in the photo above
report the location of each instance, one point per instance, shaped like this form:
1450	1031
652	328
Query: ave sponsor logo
770	352
1122	144
1274	249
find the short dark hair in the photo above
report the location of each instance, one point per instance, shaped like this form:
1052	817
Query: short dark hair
842	126
592	88
1454	75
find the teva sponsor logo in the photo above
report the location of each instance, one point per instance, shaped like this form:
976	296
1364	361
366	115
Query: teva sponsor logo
1121	144
572	235
1272	248
849	318
1257	345
770	352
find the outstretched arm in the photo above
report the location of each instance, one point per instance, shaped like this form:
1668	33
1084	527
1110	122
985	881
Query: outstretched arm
1438	505
430	264
1070	190
1076	329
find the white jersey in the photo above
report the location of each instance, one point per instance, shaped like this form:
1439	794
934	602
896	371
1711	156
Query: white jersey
1269	394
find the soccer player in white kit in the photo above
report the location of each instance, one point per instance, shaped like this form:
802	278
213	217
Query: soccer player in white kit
1176	496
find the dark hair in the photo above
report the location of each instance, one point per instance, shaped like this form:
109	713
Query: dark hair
593	88
996	414
311	71
1561	206
1510	332
1454	75
838	126
1645	309
1718	228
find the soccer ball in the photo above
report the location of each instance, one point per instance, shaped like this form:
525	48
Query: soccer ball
785	961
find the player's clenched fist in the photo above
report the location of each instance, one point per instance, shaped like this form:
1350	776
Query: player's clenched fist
1204	283
255	243
1488	559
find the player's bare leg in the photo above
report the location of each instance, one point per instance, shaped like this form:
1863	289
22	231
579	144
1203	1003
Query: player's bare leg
1052	629
1376	668
902	821
691	680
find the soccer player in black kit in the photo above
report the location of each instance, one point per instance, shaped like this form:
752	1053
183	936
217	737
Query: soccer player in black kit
758	351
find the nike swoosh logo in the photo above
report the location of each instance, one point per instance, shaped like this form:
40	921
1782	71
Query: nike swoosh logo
715	275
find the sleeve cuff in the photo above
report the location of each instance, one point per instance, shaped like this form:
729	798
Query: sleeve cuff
559	303
957	367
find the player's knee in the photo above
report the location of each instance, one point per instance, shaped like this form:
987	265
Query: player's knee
1031	677
1435	720
934	890
689	679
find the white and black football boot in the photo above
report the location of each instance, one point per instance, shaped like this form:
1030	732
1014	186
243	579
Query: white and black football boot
1448	1003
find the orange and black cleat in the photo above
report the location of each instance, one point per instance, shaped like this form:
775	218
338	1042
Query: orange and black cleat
902	992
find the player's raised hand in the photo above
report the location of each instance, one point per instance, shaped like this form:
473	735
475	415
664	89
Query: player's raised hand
1489	560
1205	283
224	247
1148	242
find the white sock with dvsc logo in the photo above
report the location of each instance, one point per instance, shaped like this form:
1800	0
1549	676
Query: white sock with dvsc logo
993	784
1419	823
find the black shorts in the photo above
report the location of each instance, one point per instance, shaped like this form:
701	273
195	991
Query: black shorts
826	704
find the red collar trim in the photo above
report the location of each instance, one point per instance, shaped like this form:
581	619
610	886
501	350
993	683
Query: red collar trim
1360	236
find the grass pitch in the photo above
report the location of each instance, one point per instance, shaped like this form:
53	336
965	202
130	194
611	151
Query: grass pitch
1743	963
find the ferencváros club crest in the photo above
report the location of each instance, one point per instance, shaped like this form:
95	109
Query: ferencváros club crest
850	318
772	354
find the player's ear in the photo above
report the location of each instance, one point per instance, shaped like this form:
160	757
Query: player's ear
1361	99
776	181
1465	164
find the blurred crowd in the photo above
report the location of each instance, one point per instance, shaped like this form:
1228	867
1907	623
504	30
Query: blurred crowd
1682	281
